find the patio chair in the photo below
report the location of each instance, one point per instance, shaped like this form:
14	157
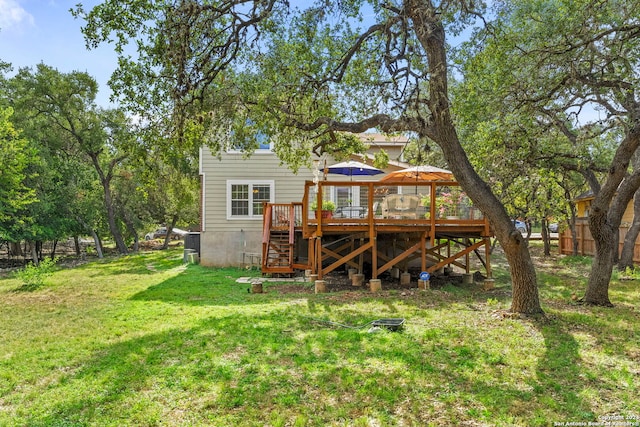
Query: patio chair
400	206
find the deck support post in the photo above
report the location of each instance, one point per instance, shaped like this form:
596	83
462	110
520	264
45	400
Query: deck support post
487	251
423	252
467	258
357	279
311	255
320	286
361	257
488	284
405	279
374	257
319	257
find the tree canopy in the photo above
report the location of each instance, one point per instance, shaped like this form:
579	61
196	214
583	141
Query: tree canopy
309	77
76	168
16	158
564	70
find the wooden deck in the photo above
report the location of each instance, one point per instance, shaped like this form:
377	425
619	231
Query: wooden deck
384	231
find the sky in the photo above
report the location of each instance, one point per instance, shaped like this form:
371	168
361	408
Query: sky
43	31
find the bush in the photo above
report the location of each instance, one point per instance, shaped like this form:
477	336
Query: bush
327	205
34	275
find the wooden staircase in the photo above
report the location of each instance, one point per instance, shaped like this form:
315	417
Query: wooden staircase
278	238
279	255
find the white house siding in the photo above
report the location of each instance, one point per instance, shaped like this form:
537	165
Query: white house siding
222	240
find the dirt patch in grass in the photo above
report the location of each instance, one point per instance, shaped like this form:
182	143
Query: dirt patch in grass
340	282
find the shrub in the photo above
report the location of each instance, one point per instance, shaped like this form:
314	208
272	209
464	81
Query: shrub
34	275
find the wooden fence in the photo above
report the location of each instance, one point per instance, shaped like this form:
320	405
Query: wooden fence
586	244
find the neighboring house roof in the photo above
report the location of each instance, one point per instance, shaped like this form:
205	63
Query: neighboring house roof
584	196
382	140
392	144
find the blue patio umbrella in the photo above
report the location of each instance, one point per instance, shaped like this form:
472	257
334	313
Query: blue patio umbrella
351	168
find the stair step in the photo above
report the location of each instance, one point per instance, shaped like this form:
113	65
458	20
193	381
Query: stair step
278	257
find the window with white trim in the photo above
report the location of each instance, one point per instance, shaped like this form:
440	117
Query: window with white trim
245	198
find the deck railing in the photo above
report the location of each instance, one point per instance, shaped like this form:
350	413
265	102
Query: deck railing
436	210
438	202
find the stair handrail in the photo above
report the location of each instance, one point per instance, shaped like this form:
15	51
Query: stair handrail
266	221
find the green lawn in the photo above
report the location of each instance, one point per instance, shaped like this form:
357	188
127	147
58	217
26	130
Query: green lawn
143	340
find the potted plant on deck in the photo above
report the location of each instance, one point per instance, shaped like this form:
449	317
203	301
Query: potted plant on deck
327	208
449	201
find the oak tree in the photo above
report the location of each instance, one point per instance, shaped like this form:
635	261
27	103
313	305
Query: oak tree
62	104
308	76
570	65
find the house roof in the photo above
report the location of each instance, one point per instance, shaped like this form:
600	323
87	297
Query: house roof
383	140
378	140
584	196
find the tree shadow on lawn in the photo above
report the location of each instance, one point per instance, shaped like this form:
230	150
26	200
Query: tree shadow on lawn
28	287
182	289
560	373
135	264
210	288
240	368
606	347
201	286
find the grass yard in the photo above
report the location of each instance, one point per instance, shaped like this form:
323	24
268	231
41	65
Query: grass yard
143	340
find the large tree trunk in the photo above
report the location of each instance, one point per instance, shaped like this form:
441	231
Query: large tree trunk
604	224
572	222
15	249
136	240
131	228
111	218
546	239
439	127
545	233
626	257
616	244
96	238
170	228
34	253
574	238
105	180
76	244
98	243
603	235
525	297
53	250
607	210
